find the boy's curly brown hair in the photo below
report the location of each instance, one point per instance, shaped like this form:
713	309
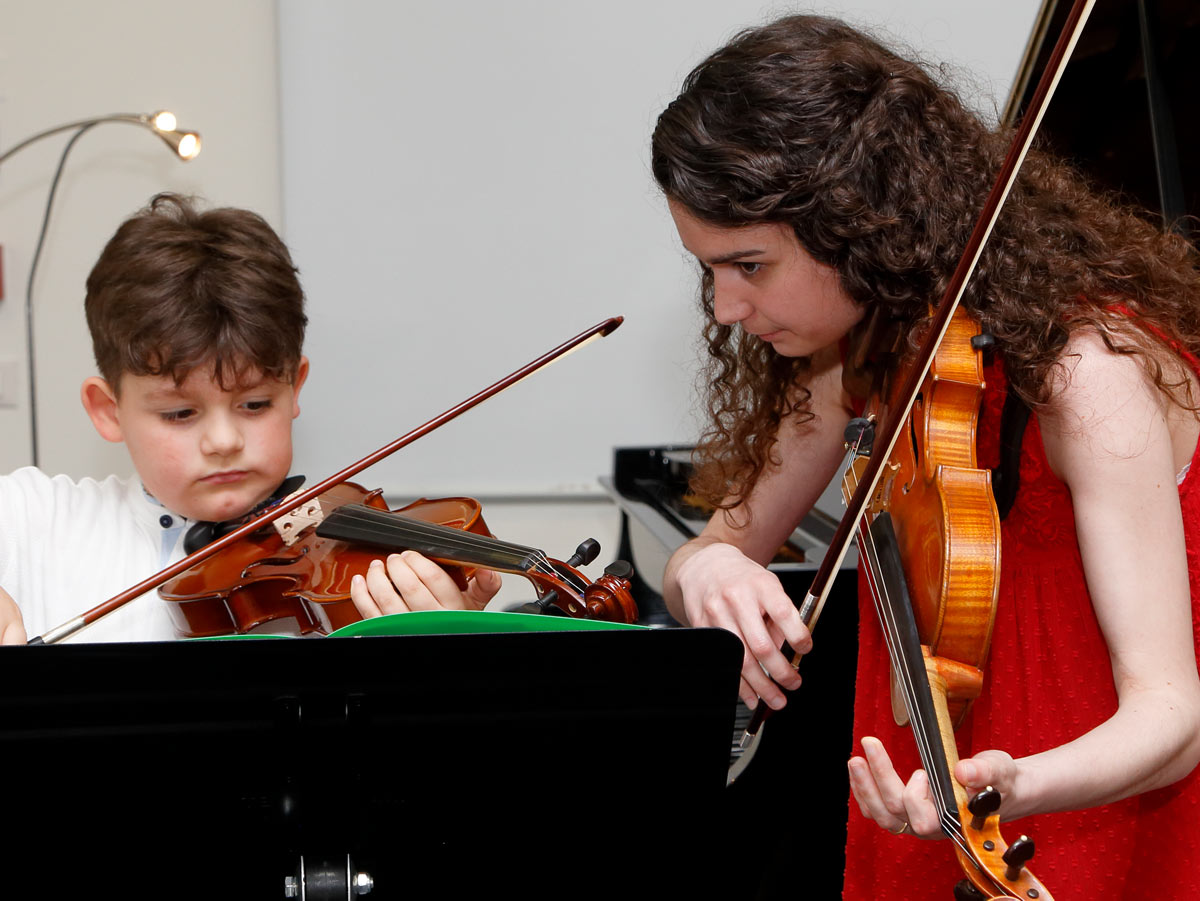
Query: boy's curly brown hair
177	287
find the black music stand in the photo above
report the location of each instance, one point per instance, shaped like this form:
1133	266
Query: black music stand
443	765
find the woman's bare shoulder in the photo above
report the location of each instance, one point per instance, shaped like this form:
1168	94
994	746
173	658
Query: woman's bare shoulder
1104	403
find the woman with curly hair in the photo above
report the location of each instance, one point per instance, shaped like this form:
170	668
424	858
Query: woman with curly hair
819	178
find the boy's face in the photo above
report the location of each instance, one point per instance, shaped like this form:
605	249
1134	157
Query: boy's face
204	452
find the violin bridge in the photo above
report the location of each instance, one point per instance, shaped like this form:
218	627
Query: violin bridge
294	522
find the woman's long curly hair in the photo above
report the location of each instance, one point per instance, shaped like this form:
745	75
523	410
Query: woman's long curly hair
881	173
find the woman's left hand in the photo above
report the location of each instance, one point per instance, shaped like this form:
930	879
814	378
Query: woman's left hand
409	581
901	807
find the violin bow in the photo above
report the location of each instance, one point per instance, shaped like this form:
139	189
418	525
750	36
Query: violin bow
268	516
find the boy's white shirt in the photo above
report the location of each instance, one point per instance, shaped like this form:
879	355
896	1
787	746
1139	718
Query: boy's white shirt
66	546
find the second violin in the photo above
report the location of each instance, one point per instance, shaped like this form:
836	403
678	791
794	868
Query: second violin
299	567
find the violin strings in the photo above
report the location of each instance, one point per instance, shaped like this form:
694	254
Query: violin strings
920	728
403	529
479	549
487	549
901	669
902	666
898	653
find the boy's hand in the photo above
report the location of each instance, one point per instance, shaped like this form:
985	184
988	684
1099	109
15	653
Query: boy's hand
12	626
409	581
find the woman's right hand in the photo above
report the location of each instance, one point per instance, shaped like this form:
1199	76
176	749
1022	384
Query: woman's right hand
719	578
725	589
12	625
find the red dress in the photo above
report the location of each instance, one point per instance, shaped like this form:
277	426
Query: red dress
1047	680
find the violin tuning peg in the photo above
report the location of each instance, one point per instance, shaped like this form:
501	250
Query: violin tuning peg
585	553
546	605
982	806
1018	854
622	569
964	891
860	433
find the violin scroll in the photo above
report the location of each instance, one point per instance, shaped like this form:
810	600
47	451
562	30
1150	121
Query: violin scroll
608	598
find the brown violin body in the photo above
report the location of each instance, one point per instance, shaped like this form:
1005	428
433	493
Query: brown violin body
943	511
261	579
288	571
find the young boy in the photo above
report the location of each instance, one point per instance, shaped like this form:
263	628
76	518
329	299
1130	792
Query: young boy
197	322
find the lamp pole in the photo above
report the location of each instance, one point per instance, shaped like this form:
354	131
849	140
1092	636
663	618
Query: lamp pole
184	144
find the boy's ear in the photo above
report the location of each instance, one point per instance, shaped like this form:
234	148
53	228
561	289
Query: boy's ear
100	402
298	383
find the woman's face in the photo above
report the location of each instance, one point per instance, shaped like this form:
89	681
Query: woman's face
764	281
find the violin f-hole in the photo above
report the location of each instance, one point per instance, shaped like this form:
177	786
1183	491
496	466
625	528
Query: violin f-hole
914	441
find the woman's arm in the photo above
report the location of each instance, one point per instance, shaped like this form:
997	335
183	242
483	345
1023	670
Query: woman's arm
719	578
1108	436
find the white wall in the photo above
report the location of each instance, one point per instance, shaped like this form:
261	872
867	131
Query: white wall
466	187
214	64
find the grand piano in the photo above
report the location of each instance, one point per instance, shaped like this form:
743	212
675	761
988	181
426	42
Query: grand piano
1124	112
796	787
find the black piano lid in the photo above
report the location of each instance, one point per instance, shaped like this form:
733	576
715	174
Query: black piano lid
651	484
1124	110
